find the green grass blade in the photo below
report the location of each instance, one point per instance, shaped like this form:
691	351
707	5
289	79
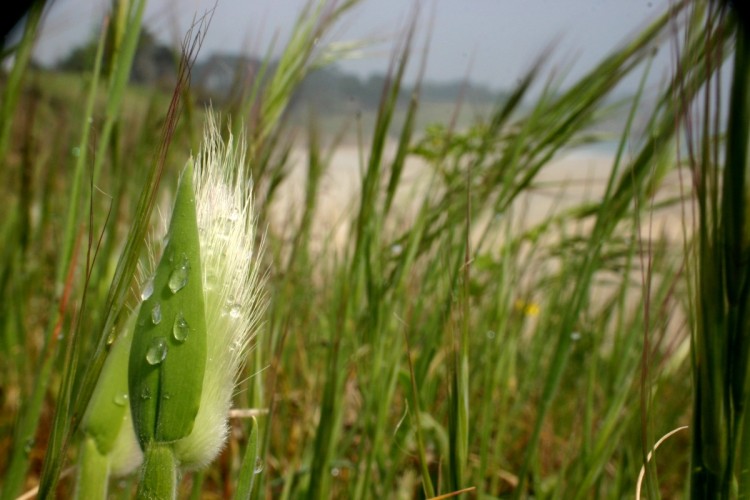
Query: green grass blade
249	467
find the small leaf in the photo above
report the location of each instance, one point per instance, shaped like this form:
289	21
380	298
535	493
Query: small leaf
171	371
108	404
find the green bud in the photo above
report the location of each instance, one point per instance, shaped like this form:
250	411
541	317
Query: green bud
109	446
109	404
168	354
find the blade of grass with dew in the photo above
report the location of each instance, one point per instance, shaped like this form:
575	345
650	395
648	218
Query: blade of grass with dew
66	422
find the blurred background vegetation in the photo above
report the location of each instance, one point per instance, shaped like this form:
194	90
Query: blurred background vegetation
470	290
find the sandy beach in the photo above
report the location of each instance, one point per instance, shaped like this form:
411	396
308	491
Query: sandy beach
565	182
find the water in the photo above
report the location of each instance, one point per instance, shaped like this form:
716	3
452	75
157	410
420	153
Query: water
121	399
156	314
178	278
235	311
148	290
181	328
111	336
157	351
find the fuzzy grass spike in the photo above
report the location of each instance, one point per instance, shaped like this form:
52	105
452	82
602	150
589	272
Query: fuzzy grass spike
197	318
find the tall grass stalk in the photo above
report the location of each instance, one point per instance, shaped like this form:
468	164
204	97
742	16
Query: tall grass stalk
437	336
720	346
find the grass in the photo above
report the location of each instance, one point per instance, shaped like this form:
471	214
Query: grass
437	339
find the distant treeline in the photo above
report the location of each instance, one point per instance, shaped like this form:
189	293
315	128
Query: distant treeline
333	87
223	77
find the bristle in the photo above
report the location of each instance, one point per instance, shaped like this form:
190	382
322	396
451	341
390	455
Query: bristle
231	283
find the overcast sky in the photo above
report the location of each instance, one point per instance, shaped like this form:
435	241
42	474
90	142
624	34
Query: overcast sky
493	41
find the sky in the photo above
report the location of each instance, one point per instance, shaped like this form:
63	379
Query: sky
493	42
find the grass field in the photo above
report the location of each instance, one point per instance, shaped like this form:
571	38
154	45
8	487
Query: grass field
489	307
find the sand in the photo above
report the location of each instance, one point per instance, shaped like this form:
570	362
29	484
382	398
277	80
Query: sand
565	182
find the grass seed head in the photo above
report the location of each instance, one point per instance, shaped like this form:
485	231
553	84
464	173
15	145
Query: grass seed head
232	285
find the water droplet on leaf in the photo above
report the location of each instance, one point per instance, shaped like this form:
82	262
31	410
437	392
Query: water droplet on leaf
111	336
148	290
157	351
156	314
235	311
179	276
146	393
258	465
180	329
210	280
121	399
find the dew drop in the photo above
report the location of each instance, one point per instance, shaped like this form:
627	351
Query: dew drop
111	336
575	336
234	215
148	290
156	314
180	329
121	399
166	395
179	276
210	281
396	249
490	334
258	465
236	344
28	446
235	311
335	472
157	351
146	393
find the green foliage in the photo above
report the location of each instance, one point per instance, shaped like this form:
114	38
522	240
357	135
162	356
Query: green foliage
168	354
721	295
436	337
